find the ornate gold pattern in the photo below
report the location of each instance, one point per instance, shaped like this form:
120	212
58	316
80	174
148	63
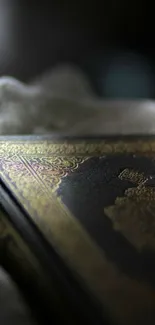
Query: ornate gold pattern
51	170
126	300
133	176
78	148
134	214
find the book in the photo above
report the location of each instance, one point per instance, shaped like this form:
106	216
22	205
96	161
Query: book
77	225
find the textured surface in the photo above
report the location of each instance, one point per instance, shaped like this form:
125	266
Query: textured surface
94	202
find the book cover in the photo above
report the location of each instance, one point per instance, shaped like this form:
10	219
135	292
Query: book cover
91	201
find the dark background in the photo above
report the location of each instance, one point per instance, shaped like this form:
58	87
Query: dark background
37	36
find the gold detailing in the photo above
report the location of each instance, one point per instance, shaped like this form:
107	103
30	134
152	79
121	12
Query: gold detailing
51	170
132	176
75	147
126	300
134	214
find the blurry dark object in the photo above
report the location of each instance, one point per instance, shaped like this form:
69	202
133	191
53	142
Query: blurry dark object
35	37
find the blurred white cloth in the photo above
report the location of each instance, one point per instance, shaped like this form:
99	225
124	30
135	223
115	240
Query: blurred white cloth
63	101
51	103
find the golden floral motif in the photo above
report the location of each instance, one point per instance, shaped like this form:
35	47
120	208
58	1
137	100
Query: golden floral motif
134	214
125	299
76	147
51	170
33	179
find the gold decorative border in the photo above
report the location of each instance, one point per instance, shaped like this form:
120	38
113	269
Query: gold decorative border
126	300
76	147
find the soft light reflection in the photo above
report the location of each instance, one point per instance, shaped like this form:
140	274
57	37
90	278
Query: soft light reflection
6	24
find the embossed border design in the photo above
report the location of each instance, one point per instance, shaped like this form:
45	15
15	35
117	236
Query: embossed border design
77	147
121	296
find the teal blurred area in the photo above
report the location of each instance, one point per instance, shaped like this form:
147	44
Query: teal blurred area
112	42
